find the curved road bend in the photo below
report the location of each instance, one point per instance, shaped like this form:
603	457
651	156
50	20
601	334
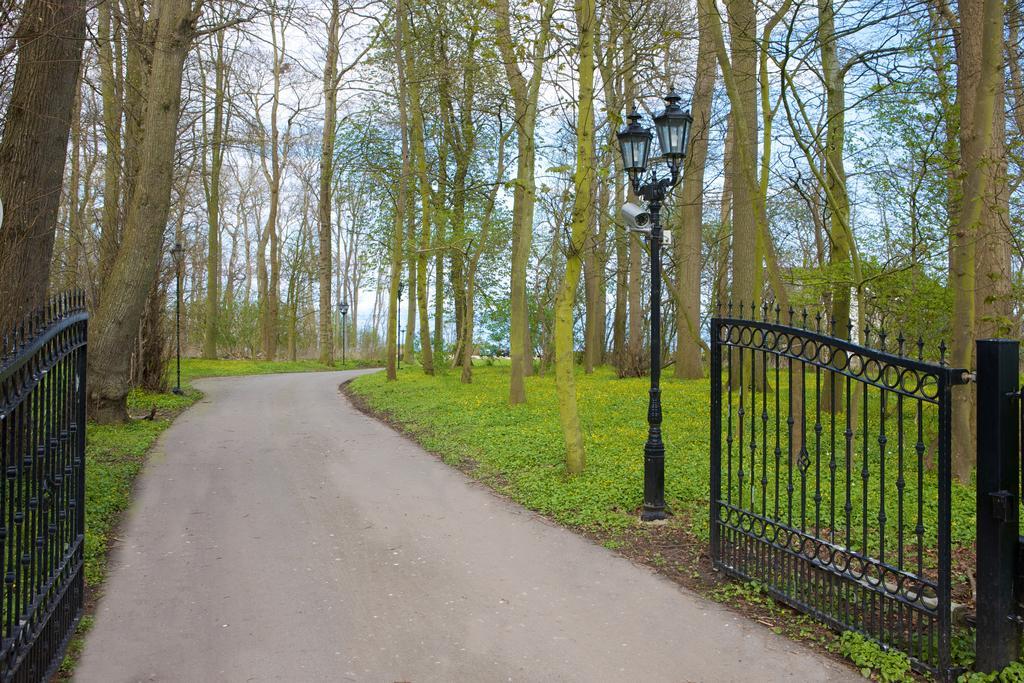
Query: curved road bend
278	534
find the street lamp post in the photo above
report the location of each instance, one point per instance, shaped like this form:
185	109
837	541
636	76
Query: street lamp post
343	310
401	288
673	127
177	253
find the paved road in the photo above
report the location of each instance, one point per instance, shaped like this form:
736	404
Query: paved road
280	535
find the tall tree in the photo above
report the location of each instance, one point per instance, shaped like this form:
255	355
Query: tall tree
690	223
979	85
269	281
743	98
525	94
419	153
582	224
402	199
211	177
135	267
33	150
327	136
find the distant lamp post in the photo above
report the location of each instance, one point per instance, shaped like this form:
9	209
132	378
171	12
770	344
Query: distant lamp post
343	310
673	127
178	254
401	288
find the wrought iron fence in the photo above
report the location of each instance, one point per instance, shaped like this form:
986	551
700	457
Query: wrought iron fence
42	487
830	476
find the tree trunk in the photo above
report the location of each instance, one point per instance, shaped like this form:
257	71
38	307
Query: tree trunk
135	268
721	288
110	77
582	224
841	266
591	283
689	227
743	42
270	305
524	94
330	82
33	151
420	155
211	184
402	201
979	84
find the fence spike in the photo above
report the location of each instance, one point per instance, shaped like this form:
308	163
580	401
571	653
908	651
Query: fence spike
741	309
817	322
881	339
730	308
867	335
764	311
920	348
753	310
900	341
791	316
942	351
777	310
804	316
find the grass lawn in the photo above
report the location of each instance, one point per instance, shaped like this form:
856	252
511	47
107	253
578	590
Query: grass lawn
115	454
519	452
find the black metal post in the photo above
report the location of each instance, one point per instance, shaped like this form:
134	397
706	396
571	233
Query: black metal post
343	339
654	449
716	435
998	636
177	325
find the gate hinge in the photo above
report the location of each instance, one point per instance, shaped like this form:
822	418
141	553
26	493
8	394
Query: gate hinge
1002	505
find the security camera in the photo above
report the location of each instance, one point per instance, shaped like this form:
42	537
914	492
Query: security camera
636	217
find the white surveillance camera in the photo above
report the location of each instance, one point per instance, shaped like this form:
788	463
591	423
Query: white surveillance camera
636	217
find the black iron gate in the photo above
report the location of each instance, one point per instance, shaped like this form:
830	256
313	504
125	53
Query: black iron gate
42	487
830	475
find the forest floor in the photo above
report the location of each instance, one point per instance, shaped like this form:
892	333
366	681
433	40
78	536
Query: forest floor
519	452
116	454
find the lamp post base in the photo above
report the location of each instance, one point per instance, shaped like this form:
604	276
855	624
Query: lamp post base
177	391
653	514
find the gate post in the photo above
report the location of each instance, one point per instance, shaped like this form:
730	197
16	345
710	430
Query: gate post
998	634
716	437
